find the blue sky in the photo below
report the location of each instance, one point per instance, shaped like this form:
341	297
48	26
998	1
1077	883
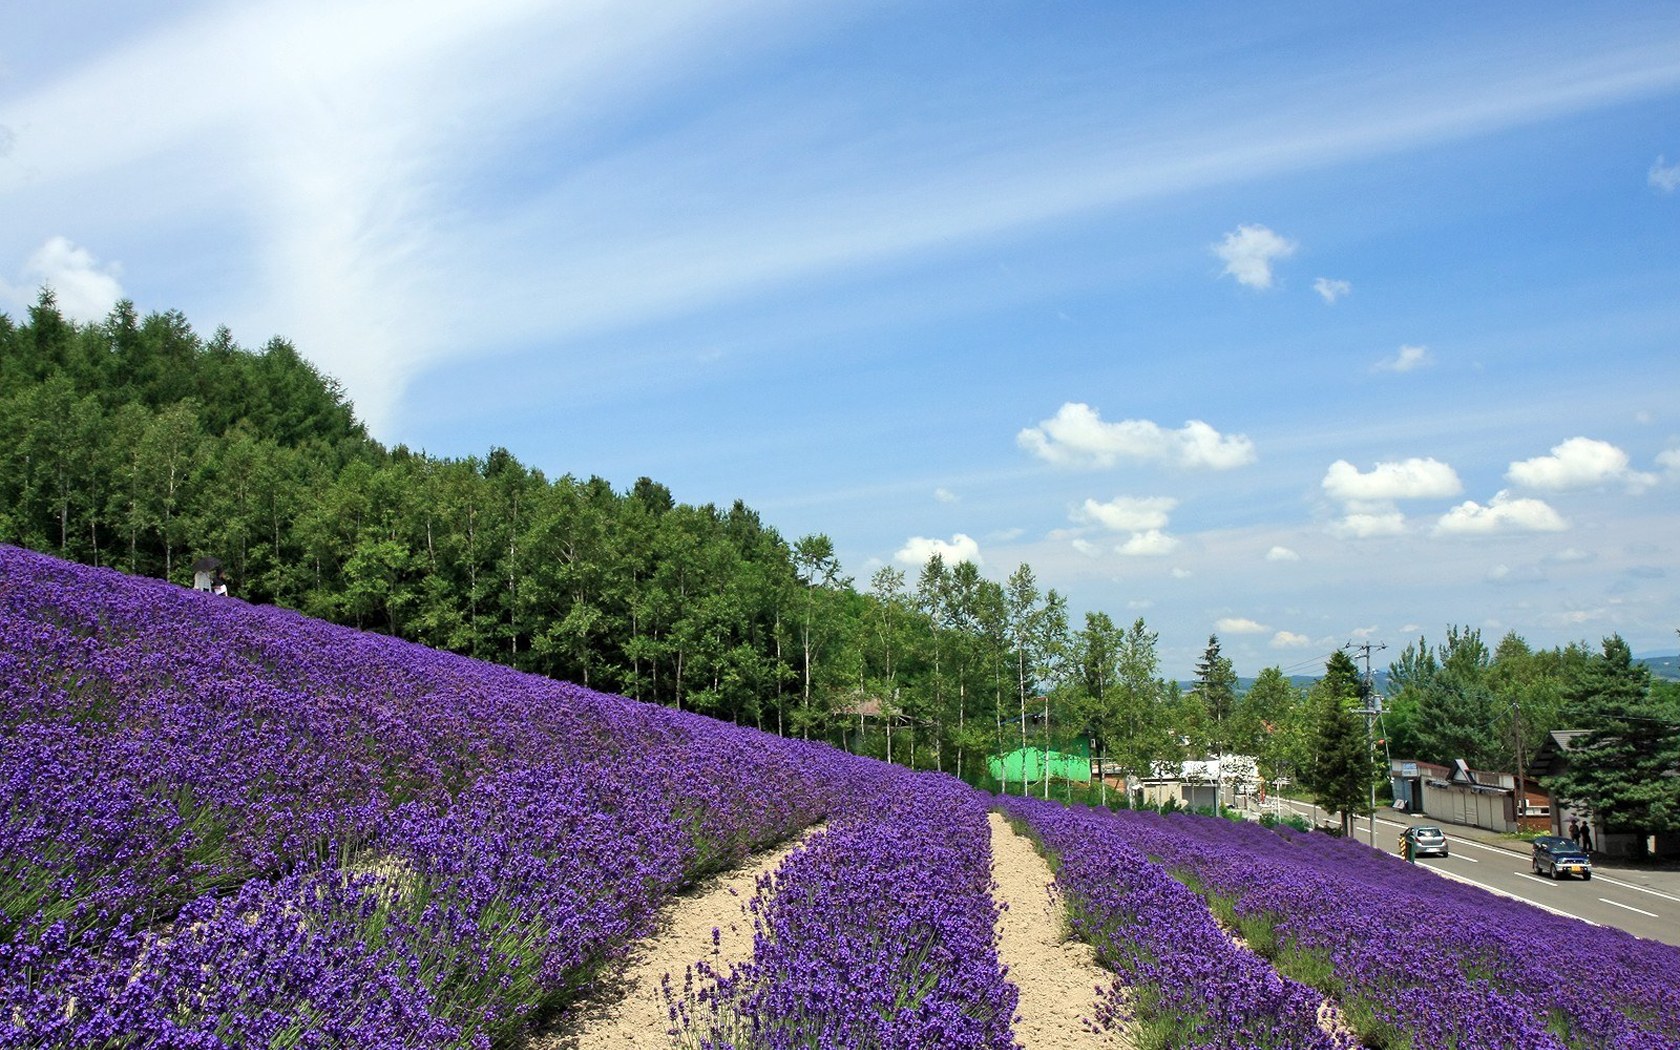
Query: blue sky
1304	326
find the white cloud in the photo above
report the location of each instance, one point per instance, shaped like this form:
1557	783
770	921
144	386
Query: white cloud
1364	525
918	549
1669	459
1076	436
1405	359
1331	289
1502	514
1181	573
1087	548
1150	544
1239	625
1290	640
1282	554
1413	478
1664	176
85	290
1128	513
1249	251
1578	463
944	495
1572	555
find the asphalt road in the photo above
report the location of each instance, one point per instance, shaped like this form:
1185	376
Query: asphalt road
1642	902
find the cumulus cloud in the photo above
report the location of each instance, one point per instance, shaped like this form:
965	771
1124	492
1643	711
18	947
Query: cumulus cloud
918	549
1578	463
1331	289
1150	544
1664	176
1364	525
1249	252
944	495
1669	459
1406	359
1502	514
1290	640
1282	554
1128	513
1077	436
1239	625
1087	548
1413	478
85	290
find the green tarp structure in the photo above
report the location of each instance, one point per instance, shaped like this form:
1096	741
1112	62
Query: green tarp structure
1064	765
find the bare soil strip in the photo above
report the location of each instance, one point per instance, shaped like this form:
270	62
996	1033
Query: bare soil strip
1058	975
629	1010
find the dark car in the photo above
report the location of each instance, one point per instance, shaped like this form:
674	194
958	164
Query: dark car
1427	840
1557	857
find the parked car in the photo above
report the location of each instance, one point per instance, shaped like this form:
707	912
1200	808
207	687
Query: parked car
1556	856
1427	840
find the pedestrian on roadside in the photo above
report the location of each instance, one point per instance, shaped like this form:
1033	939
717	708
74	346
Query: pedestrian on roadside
1586	837
1574	831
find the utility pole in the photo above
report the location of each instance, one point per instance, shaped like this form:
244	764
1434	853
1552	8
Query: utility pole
1522	787
1371	709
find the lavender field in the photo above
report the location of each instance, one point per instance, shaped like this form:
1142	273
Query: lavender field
224	825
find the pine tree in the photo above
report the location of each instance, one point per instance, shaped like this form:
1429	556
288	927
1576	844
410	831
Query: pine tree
1626	770
1342	767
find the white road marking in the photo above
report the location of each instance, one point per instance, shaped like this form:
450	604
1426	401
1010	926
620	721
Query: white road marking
1635	886
1506	893
1629	907
1536	878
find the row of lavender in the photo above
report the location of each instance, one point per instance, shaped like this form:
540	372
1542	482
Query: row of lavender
878	933
1416	960
1183	982
226	826
1410	959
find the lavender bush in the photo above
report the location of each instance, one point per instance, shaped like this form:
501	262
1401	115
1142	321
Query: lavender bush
228	826
1416	960
879	933
1190	986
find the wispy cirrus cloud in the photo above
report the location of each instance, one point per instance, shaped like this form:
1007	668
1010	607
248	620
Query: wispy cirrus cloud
1663	175
1330	289
1077	436
1406	359
362	174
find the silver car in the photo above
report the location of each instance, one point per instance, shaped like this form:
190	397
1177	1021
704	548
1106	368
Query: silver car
1427	840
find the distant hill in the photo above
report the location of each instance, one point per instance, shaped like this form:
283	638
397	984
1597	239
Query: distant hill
1665	667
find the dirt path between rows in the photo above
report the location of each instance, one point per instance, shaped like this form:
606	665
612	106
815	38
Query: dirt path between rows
1057	975
630	1010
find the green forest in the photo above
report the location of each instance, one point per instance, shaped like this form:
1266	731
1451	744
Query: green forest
135	443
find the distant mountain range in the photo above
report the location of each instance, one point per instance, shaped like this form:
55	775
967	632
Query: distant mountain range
1663	666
